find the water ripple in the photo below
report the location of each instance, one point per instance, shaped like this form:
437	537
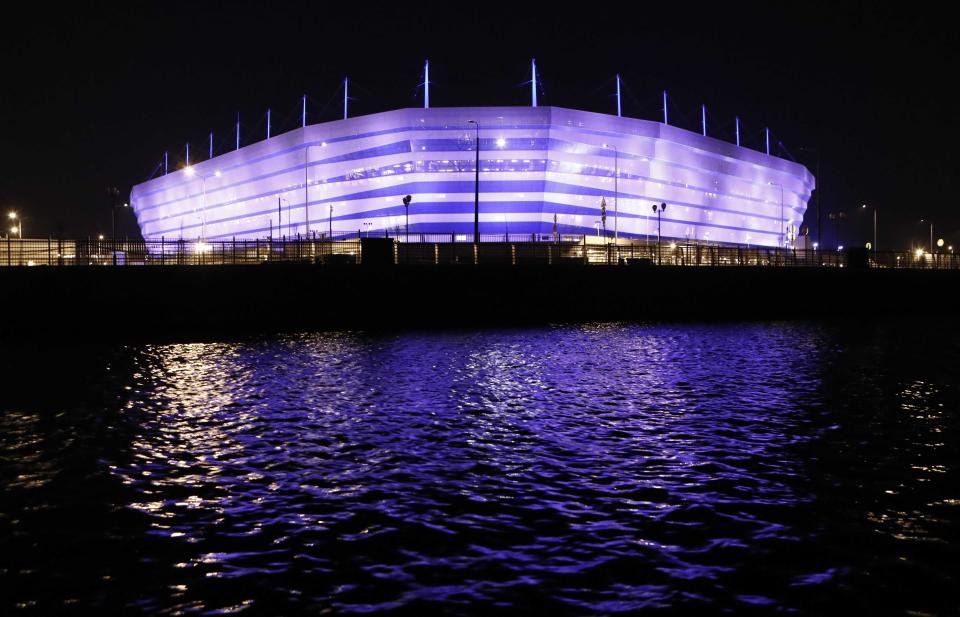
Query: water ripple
604	468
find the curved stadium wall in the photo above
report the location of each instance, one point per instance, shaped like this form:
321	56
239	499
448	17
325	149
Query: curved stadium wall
535	162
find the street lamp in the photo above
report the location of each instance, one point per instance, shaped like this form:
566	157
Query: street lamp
659	210
874	208
191	171
931	234
17	227
837	216
476	189
616	191
406	212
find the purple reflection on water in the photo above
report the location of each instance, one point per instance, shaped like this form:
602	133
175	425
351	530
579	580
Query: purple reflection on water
475	466
574	469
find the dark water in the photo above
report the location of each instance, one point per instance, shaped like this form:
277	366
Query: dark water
607	468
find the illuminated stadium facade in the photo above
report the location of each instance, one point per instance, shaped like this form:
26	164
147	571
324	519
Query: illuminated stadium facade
538	165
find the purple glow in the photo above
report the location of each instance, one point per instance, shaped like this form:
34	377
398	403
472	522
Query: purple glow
539	162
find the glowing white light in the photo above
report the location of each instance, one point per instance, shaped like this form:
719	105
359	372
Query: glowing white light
501	142
217	173
189	170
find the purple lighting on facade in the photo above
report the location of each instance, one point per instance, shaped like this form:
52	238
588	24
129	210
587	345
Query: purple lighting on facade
550	160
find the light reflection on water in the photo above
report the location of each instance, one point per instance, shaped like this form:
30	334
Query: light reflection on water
598	468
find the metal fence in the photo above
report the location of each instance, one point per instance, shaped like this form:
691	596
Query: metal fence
439	248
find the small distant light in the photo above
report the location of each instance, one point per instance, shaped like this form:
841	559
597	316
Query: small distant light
501	142
919	252
31	262
13	229
12	215
126	205
673	245
816	245
217	173
189	170
323	144
840	248
100	237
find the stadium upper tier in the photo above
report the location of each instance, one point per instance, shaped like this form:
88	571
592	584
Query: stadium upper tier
538	165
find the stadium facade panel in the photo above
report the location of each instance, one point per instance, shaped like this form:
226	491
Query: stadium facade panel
538	165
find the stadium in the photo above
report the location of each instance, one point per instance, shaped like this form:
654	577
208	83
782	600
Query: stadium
543	171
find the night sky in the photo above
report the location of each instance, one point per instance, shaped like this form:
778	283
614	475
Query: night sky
93	94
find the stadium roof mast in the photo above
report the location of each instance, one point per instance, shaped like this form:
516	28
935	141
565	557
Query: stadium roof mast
346	85
426	84
619	109
533	81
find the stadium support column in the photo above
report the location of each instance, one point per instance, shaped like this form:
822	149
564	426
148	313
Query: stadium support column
346	96
666	120
476	189
737	127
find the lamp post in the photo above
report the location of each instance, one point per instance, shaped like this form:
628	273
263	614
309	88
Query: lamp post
406	213
616	191
476	189
191	171
874	245
837	216
306	179
659	210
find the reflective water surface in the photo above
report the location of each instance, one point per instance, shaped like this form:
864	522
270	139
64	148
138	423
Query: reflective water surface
591	469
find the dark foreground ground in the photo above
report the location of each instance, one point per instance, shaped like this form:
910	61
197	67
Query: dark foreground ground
137	302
